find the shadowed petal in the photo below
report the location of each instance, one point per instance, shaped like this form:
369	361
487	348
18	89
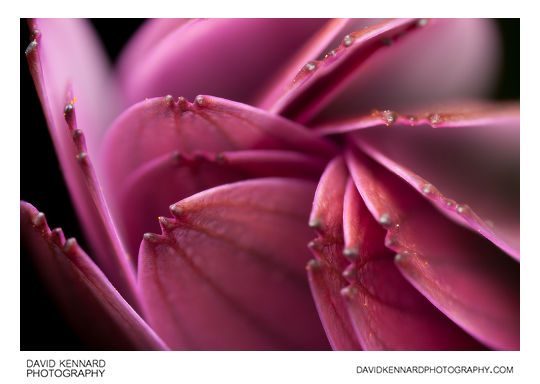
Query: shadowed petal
325	272
223	57
318	82
93	306
464	275
149	191
387	312
468	154
228	270
446	59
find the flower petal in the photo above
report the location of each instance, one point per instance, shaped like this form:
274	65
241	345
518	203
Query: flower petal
228	270
148	192
325	272
468	154
387	312
446	59
318	82
95	309
157	127
223	57
76	123
469	279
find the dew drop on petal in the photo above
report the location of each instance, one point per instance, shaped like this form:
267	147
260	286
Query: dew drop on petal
434	118
199	100
384	219
33	44
389	117
311	66
348	40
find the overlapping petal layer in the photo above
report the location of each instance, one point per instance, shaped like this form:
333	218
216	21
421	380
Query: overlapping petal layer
90	302
228	270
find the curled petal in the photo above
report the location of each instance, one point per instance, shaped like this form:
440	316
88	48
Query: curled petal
223	57
149	191
319	81
156	127
464	159
387	312
325	272
93	306
216	278
463	274
445	59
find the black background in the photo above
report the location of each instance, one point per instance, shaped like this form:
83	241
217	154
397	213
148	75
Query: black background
42	184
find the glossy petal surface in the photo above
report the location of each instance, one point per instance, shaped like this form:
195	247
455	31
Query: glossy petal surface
479	187
90	302
463	274
148	192
218	279
446	59
387	312
325	272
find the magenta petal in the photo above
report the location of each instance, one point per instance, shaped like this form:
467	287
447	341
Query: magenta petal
102	318
446	59
464	275
228	270
387	312
466	154
325	273
149	191
318	82
156	127
223	57
76	121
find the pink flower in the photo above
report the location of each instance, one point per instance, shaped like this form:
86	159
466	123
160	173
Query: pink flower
378	162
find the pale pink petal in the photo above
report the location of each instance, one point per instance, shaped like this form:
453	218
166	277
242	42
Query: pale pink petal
387	312
228	58
464	275
319	81
149	191
467	154
157	127
62	111
325	272
217	278
101	317
446	59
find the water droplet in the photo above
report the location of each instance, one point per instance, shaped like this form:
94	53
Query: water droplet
70	244
350	272
169	100
313	265
434	118
389	117
199	100
68	109
351	253
76	134
427	188
314	223
412	120
152	237
176	210
349	292
331	53
311	66
460	208
348	40
33	44
421	22
81	157
384	219
398	257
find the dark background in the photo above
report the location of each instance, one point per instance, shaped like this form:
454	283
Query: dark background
42	184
